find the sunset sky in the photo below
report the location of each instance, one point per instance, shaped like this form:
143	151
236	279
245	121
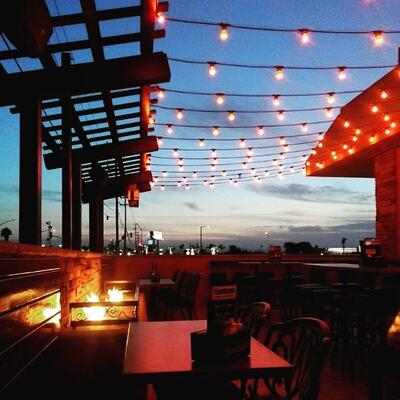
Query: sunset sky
296	208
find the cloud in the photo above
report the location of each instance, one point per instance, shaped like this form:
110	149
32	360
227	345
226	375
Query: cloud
327	193
192	206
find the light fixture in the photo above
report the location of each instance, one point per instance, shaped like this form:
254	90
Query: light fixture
212	69
304	127
378	38
342	73
160	17
220	98
179	113
169	129
260	130
215	130
279	73
231	116
276	100
281	115
331	97
223	32
304	36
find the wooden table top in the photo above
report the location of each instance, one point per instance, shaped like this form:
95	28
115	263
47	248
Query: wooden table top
161	282
157	350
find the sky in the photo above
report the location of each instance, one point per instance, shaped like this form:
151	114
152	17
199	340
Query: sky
296	208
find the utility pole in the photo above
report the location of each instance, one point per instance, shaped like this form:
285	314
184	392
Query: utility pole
116	226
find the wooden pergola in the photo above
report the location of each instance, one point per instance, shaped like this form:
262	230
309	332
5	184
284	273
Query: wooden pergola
90	119
364	142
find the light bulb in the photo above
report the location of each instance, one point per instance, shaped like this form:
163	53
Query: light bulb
164	173
162	188
346	124
214	153
304	36
202	142
266	173
304	127
378	38
179	184
223	172
286	148
151	120
244	165
331	97
279	73
194	174
342	73
179	113
187	187
231	115
180	162
260	130
205	183
253	171
393	124
345	146
215	130
276	100
374	108
220	98
212	178
160	17
281	115
328	112
386	117
169	129
175	152
223	32
358	131
242	142
159	141
161	93
212	69
372	138
384	94
388	131
282	140
250	151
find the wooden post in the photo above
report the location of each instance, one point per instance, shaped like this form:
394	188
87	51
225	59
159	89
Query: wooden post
30	174
76	205
96	223
67	168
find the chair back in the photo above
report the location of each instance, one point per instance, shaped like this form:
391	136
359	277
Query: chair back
190	288
255	317
304	342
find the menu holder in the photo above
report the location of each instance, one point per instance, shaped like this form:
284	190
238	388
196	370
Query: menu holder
224	339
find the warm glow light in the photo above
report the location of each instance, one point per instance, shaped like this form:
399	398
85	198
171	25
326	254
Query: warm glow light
250	151
169	129
231	115
304	127
212	69
151	120
281	115
282	140
179	113
393	125
374	109
320	145
260	130
378	38
358	131
388	131
223	172
345	146
223	32
373	139
160	17
202	142
321	136
161	93
244	165
384	94
342	73
386	117
253	171
304	36
179	183
164	173
180	162
320	165
354	138
351	150
249	158
279	73
115	294
93	313
175	152
276	100
266	173
220	98
194	174
242	143
214	153
162	188
331	97
328	112
286	148
160	141
346	124
215	130
313	152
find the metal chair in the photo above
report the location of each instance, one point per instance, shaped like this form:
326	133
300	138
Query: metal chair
304	342
255	317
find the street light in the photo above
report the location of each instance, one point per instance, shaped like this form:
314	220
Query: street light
201	236
267	239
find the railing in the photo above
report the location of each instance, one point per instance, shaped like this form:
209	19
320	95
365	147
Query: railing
29	313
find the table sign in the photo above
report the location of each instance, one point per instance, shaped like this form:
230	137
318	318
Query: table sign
224	337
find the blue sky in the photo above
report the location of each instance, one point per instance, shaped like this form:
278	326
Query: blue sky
319	210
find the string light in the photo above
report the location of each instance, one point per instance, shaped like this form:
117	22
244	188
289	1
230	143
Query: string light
169	129
386	117
231	116
253	171
179	184
342	73
249	158
220	98
212	167
373	139
345	146
321	137
212	185
384	94
351	150
374	109
358	131
250	151
378	38
393	124
180	168
279	73
346	124
388	131
328	112
223	32
304	36
179	113
214	153
304	127
202	142
194	174
244	165
215	131
223	172
286	148
260	130
151	120
281	115
266	173
164	173
212	178
205	183
187	187
162	188
175	152
242	143
276	100
354	138
282	140
212	69
180	162
159	141
331	97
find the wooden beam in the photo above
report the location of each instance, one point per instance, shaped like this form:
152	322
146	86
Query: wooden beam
116	187
85	78
106	151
